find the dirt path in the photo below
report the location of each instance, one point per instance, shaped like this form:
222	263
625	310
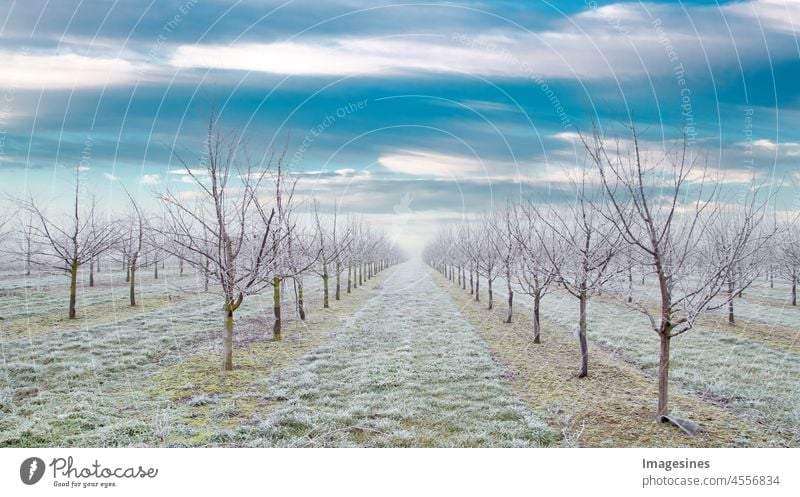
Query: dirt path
406	370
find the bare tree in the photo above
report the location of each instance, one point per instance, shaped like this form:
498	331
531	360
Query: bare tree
537	271
231	217
581	250
68	245
667	215
500	240
332	241
789	257
134	241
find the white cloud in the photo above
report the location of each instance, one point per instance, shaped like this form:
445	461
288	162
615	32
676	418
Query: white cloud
150	179
787	149
110	177
595	43
423	163
184	172
781	15
69	70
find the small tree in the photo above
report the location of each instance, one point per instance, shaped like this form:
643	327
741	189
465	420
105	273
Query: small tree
581	251
537	271
68	245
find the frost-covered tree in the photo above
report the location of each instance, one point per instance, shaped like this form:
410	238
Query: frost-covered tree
788	256
500	240
581	251
133	241
667	211
537	271
68	242
228	232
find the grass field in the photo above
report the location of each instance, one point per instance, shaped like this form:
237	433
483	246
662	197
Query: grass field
408	359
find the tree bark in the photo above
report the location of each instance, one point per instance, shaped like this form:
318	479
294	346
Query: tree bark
276	308
663	375
349	278
794	286
537	329
91	273
300	306
325	290
338	283
132	288
510	296
630	285
730	302
227	342
583	371
206	275
491	296
73	289
477	287
28	257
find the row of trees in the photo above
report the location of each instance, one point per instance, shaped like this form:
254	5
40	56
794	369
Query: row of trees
241	227
698	245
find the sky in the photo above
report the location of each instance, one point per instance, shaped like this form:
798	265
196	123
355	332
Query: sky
413	114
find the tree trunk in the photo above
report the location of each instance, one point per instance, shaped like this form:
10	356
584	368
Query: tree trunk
584	346
325	290
510	296
276	308
663	375
537	329
300	306
794	286
471	283
360	276
28	257
132	289
491	295
477	287
227	341
127	273
630	285
91	273
180	266
730	302
155	271
349	277
205	276
73	289
338	283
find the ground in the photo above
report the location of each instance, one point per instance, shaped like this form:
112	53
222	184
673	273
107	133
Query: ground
407	359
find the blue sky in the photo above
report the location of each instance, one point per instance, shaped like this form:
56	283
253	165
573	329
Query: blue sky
409	112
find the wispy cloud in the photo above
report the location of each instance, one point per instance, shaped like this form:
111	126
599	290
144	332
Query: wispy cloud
49	71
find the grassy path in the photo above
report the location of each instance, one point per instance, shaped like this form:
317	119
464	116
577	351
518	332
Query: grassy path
407	369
